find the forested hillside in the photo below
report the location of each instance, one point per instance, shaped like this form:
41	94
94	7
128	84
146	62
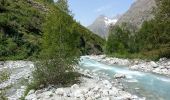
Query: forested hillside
151	41
23	24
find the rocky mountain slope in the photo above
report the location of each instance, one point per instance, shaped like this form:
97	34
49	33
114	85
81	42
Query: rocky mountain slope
139	11
101	25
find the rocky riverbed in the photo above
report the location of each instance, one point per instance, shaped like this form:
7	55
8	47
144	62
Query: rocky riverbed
92	86
159	67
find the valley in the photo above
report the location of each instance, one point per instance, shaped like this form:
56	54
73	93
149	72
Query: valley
48	52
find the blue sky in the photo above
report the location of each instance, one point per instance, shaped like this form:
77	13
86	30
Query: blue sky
86	11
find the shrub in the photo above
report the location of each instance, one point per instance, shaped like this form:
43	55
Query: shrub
4	75
55	72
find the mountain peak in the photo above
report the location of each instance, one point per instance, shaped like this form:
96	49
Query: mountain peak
101	25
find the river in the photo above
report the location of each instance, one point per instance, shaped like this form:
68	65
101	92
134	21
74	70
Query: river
149	85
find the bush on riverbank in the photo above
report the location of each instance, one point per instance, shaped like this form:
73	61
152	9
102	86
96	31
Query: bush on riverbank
4	75
55	72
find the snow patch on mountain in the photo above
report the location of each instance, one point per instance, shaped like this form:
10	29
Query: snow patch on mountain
101	25
109	21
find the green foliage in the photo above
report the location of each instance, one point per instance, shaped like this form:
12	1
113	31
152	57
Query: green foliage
20	29
151	41
63	5
49	1
55	73
121	40
89	43
4	75
113	43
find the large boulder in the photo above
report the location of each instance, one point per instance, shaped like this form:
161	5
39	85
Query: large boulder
153	64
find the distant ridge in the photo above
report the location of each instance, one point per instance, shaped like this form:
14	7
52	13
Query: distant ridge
140	10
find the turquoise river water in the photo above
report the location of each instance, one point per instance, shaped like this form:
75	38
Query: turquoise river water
149	85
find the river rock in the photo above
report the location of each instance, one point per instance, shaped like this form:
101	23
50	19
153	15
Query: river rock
105	92
86	71
106	82
48	94
60	91
153	64
78	94
164	70
96	88
31	92
119	76
89	98
156	70
96	96
162	59
167	67
39	92
75	86
31	97
134	67
168	63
